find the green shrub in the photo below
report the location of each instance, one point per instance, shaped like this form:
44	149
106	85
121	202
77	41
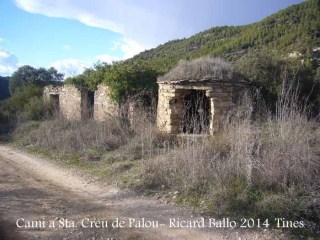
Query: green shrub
27	104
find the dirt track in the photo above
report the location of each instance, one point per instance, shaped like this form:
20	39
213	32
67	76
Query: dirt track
37	190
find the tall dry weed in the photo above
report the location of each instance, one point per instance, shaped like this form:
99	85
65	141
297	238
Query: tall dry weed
75	136
287	157
254	151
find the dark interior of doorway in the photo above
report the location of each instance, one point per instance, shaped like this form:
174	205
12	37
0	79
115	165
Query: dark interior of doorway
90	103
196	113
54	99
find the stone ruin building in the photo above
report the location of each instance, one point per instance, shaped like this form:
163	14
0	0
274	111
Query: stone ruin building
103	105
73	102
78	103
194	96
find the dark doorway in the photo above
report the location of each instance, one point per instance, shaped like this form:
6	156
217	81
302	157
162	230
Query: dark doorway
196	113
54	99
90	103
146	101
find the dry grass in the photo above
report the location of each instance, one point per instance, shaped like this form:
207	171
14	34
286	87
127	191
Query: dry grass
201	68
264	166
129	141
260	164
271	151
74	136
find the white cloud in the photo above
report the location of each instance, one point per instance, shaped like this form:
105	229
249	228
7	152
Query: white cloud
70	67
4	54
66	47
69	10
93	21
106	58
8	63
146	22
93	15
130	47
6	70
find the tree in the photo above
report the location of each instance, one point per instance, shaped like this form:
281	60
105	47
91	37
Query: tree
20	98
125	80
91	77
27	103
267	71
318	73
264	70
30	75
25	74
50	75
4	87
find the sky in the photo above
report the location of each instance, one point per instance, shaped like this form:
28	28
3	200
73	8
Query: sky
72	35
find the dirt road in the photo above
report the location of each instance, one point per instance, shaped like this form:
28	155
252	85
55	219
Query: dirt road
40	200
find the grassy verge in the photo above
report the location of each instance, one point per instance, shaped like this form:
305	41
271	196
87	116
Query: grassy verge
105	165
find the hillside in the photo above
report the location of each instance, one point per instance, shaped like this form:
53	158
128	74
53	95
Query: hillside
4	88
285	45
295	28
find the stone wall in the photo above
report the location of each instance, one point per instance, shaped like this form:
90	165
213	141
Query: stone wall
73	101
222	97
51	90
170	106
104	107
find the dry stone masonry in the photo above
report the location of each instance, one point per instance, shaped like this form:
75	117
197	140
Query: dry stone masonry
104	107
196	101
193	98
72	102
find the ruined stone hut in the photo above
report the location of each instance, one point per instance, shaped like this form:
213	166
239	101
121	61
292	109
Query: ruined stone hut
73	102
78	103
104	107
194	96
